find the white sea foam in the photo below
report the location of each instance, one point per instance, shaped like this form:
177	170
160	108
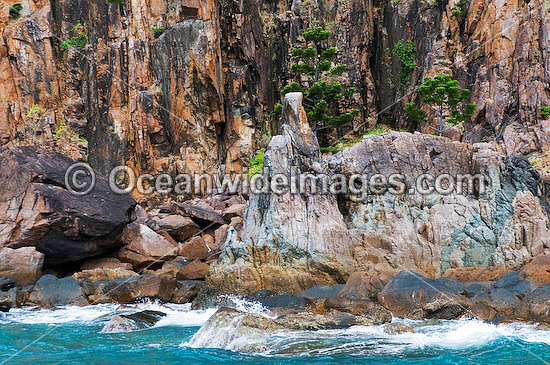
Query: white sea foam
176	314
441	336
246	305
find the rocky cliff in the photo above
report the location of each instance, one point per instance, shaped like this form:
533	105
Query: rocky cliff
186	87
160	85
292	241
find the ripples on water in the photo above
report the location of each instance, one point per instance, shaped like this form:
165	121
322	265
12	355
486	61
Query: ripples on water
73	338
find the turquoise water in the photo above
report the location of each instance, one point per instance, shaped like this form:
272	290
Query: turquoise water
72	336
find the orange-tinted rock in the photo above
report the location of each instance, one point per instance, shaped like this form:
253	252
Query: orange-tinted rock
469	274
105	263
537	271
179	226
365	285
192	271
24	265
195	248
143	246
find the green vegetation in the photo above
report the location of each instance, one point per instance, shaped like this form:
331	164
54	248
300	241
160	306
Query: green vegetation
459	10
157	31
349	142
405	53
443	94
314	64
15	11
121	2
545	112
257	164
80	39
62	131
35	116
276	113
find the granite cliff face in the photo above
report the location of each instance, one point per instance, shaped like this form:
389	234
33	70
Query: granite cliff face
193	95
187	101
293	241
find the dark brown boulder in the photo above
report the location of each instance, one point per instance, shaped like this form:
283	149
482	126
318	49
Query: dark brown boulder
198	212
127	290
37	208
411	295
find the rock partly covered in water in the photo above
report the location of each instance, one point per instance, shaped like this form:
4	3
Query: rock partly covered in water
411	295
50	291
37	209
132	322
248	332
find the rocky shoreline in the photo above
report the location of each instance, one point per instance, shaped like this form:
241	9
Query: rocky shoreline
314	261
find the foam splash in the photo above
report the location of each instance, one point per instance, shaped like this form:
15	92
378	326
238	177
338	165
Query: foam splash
246	305
176	314
442	336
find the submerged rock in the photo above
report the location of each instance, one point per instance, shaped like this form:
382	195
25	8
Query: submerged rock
132	322
397	328
248	332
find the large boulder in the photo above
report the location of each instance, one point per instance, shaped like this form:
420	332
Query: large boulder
178	226
411	295
365	285
24	265
195	248
37	209
132	322
50	291
184	269
105	263
537	272
129	289
144	247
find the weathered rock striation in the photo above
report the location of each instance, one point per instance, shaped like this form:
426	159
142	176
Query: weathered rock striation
294	241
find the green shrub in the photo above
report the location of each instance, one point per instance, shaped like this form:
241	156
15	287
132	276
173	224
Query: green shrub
446	98
314	65
62	131
405	52
79	40
545	112
121	2
331	149
157	31
257	164
15	11
459	10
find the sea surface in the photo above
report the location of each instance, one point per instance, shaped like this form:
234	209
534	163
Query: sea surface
71	335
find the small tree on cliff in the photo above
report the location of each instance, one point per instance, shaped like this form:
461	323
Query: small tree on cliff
313	66
443	95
